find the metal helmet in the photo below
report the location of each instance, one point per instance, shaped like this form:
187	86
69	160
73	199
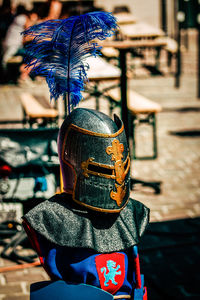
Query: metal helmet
94	159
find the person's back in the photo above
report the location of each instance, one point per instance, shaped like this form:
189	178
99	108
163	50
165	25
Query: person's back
13	36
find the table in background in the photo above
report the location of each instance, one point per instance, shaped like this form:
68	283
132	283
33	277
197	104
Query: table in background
100	71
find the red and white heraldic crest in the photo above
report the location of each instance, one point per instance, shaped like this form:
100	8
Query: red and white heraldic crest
111	271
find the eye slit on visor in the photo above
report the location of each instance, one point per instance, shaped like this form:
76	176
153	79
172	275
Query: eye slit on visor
99	169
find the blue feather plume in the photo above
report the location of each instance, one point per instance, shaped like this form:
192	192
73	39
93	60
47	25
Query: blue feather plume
59	48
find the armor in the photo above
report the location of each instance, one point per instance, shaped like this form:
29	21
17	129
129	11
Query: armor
94	159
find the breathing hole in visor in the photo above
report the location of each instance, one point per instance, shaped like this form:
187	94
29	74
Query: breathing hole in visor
126	164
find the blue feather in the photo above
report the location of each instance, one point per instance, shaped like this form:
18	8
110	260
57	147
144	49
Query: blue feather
59	49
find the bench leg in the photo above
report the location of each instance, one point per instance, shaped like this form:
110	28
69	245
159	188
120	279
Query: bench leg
96	93
151	120
169	59
157	57
136	121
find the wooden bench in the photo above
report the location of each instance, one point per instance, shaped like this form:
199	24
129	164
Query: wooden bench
141	109
171	47
35	112
15	60
125	18
110	53
137	104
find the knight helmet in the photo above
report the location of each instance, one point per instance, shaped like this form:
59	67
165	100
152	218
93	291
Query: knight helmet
94	160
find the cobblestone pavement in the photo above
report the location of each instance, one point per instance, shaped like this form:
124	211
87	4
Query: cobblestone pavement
177	165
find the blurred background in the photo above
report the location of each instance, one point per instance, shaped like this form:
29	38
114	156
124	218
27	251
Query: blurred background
149	74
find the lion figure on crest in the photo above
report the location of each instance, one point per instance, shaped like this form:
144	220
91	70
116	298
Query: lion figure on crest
112	272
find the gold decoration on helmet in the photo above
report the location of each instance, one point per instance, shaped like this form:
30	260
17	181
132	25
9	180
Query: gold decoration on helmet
119	195
116	151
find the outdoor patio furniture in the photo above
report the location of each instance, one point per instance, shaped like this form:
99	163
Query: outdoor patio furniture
36	111
171	48
140	30
125	18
